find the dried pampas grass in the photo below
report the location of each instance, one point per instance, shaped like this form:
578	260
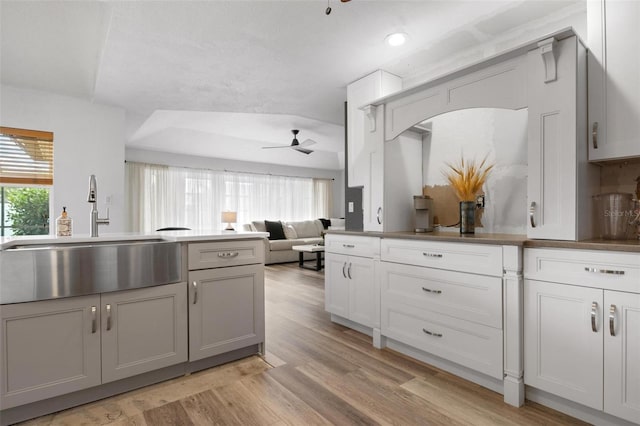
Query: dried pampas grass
467	177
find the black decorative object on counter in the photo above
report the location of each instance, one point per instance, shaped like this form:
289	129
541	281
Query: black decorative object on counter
467	217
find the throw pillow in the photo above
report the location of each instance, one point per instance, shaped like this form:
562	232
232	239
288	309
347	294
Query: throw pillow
275	230
289	232
326	223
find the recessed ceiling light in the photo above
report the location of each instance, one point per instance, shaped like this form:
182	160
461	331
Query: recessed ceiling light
396	39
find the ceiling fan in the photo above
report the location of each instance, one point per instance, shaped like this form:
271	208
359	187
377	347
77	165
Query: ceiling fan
295	144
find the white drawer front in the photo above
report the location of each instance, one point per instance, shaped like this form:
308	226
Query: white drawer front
225	253
475	298
590	268
475	346
474	258
352	245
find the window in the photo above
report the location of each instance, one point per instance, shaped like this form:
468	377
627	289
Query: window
161	196
26	175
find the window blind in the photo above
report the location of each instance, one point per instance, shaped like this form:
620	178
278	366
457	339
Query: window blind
26	156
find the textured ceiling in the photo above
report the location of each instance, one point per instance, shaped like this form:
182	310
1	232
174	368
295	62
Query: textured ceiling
214	70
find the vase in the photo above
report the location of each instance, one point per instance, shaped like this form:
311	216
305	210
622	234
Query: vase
467	217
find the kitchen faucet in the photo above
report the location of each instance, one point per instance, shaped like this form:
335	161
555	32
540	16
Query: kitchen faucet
93	199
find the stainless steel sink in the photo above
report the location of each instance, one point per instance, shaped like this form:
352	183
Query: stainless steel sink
31	272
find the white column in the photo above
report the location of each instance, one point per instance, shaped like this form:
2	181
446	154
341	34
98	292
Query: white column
512	287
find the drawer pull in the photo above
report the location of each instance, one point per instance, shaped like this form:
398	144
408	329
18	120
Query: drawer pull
604	271
431	333
594	313
432	254
428	290
228	254
108	308
94	320
348	246
612	320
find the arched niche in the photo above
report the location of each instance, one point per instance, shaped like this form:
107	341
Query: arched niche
498	82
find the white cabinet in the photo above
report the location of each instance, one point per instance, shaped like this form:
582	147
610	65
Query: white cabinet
560	181
563	348
49	348
351	284
143	330
226	300
360	93
336	288
395	177
375	164
582	332
622	355
54	347
614	79
435	307
350	290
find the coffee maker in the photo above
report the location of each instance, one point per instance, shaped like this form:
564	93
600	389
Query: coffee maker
423	213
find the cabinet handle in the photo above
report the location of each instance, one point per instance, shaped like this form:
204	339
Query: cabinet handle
612	320
228	254
604	271
349	270
532	210
108	307
594	313
94	319
344	265
431	333
428	290
195	292
432	254
348	246
594	135
378	215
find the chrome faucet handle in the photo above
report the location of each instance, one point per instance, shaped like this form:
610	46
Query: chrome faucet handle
103	220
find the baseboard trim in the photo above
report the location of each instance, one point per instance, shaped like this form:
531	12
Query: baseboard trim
448	366
574	409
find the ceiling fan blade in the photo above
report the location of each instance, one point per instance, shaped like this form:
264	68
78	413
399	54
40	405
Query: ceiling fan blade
273	147
307	142
302	150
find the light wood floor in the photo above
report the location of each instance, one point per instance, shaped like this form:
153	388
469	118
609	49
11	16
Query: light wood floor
315	372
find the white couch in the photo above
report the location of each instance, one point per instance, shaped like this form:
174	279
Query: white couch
296	233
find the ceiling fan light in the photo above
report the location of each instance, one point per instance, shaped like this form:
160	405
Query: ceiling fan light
396	39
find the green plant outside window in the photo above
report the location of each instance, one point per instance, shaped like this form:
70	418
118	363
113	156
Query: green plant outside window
24	211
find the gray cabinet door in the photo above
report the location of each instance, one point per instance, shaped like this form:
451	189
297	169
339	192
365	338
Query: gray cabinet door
226	310
143	330
48	348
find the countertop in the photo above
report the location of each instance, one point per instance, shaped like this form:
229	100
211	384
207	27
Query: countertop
505	239
176	236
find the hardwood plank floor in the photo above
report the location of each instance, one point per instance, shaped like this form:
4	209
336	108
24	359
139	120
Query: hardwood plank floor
315	372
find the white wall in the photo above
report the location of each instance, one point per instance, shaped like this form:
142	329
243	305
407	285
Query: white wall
88	139
179	160
474	133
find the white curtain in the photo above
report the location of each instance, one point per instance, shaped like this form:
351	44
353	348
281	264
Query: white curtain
322	197
161	196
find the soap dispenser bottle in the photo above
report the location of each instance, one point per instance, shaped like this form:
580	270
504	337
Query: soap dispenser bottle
63	224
